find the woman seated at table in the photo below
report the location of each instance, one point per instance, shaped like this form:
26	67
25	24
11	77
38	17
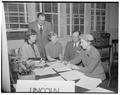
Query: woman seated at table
53	48
90	58
29	48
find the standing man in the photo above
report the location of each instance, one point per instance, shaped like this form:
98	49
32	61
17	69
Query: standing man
72	47
42	28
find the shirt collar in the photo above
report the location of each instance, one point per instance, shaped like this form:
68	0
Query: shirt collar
77	43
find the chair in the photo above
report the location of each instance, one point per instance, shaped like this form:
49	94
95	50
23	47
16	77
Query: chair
105	52
114	61
101	42
115	51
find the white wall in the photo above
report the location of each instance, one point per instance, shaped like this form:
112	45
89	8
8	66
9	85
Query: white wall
113	20
14	44
4	62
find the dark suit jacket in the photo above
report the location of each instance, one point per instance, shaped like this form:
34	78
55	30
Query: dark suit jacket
70	51
42	40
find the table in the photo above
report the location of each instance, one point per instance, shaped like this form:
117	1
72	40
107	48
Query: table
77	89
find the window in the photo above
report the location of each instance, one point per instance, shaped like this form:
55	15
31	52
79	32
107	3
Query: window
16	16
51	12
77	17
68	17
98	16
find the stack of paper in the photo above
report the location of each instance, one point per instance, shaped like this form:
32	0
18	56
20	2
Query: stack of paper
58	78
44	71
72	75
99	89
88	82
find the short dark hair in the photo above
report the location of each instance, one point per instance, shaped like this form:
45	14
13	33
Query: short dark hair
29	33
40	14
51	34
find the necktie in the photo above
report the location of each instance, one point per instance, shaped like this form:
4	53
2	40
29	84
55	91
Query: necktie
32	45
41	29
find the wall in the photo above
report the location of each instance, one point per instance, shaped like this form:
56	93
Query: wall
14	44
4	57
62	19
112	18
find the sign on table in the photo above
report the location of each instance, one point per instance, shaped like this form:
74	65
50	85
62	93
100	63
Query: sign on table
45	86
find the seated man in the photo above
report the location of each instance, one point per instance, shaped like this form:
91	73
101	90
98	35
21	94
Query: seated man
72	47
53	48
29	48
90	58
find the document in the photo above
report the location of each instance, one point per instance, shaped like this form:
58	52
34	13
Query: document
88	82
44	71
99	89
39	64
57	65
52	63
58	78
63	68
72	75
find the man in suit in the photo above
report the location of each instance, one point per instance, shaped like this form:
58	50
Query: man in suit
72	47
43	28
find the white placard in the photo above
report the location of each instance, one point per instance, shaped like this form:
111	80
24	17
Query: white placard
45	86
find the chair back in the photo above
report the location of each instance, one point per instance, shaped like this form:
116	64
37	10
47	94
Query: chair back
115	45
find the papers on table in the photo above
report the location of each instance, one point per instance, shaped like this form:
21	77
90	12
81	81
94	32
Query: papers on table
64	68
88	82
38	63
60	67
58	78
44	71
57	65
52	63
72	75
99	89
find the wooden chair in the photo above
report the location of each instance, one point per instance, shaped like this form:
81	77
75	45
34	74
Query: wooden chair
106	58
115	51
101	42
114	61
